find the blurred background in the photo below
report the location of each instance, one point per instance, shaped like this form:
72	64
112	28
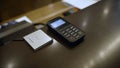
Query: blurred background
12	8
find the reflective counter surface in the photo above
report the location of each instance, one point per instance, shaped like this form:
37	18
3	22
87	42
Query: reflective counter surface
100	48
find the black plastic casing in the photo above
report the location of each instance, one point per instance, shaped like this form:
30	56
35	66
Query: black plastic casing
57	33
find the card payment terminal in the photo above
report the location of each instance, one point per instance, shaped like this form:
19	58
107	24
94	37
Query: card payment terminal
67	31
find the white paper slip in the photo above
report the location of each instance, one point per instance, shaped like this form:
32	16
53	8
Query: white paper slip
81	4
37	39
24	18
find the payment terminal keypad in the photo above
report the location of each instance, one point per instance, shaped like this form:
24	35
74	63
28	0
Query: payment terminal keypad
71	33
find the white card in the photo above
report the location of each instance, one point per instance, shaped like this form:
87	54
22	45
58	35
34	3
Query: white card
37	39
81	4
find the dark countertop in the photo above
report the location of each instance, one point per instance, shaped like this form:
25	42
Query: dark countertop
100	49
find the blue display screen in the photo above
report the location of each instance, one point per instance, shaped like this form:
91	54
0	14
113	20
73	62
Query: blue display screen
57	23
